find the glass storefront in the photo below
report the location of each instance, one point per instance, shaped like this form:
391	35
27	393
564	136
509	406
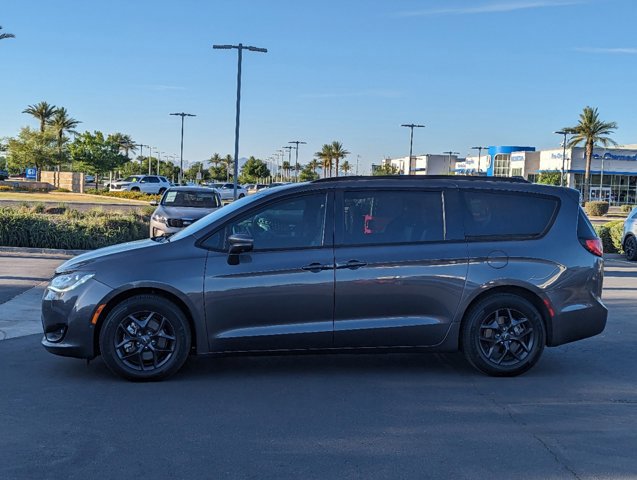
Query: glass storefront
616	189
501	165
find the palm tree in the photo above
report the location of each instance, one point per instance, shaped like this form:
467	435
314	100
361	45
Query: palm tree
325	157
590	130
42	111
314	164
346	167
215	160
228	161
338	153
61	123
6	35
286	168
126	143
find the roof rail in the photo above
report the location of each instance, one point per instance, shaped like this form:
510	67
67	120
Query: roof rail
423	178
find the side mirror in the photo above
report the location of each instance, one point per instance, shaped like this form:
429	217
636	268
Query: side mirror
240	243
154	203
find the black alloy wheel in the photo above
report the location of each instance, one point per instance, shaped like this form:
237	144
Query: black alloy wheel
503	335
630	248
145	338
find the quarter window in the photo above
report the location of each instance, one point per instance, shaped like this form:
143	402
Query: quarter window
385	217
499	215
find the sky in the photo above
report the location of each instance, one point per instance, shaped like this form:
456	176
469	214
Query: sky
474	72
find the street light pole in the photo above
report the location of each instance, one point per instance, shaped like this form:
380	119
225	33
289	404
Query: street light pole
449	161
181	162
479	149
565	133
282	154
411	127
239	49
141	153
289	149
357	159
159	161
296	163
150	160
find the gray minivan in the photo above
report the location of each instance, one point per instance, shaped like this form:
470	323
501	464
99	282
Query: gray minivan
497	268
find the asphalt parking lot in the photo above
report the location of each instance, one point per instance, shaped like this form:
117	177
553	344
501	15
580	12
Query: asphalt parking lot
351	416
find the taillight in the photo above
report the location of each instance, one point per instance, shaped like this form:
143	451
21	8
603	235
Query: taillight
593	245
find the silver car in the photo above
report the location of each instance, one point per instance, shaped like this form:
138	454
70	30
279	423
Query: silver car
629	238
180	207
226	190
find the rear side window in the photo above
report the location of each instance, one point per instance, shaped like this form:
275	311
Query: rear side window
506	215
385	217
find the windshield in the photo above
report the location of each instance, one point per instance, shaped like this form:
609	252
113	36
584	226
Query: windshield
191	198
132	179
221	213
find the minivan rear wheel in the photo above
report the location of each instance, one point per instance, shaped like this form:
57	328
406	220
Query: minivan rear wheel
630	248
145	337
503	335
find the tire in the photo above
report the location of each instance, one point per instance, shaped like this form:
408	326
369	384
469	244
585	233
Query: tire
630	248
145	338
134	189
503	335
161	191
241	195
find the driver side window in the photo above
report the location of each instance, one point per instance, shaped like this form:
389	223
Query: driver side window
297	222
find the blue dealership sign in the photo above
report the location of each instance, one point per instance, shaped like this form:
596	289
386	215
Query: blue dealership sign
32	173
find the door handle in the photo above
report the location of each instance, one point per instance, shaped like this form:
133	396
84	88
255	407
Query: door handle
352	264
316	267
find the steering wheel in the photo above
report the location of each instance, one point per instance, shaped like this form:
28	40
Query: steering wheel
262	227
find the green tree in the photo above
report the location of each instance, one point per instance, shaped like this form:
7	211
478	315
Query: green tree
550	178
61	123
4	36
308	174
42	111
253	170
346	167
194	169
93	153
590	130
218	172
31	149
338	154
385	169
314	164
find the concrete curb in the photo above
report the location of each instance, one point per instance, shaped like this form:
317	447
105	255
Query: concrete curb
41	251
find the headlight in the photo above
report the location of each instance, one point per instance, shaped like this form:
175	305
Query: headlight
160	219
67	282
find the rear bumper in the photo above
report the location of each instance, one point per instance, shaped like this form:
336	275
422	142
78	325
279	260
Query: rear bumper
576	322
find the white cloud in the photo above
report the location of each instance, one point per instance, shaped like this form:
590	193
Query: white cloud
491	8
626	50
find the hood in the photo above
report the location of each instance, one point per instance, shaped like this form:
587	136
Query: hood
184	212
87	258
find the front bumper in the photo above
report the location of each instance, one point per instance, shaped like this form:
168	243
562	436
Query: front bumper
68	316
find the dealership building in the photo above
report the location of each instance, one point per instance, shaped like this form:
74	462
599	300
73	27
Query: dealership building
613	170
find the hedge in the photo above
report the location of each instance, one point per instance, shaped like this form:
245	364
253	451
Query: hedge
596	209
70	230
627	208
125	194
611	235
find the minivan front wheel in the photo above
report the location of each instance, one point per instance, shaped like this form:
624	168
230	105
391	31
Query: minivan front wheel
145	337
503	335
